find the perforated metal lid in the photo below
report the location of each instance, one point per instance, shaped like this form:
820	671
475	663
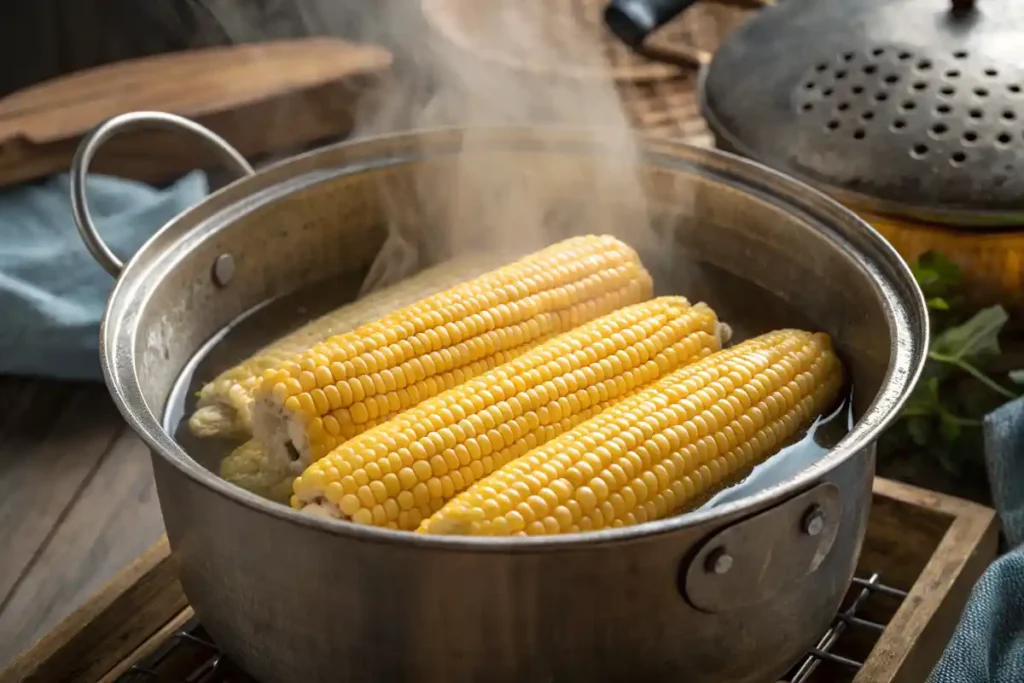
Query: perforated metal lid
911	107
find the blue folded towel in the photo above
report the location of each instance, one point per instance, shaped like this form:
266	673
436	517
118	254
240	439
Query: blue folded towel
988	644
52	292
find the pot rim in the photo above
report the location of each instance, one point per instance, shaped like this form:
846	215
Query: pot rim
908	331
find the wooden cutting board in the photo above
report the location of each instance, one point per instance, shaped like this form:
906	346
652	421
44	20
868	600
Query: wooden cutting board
262	98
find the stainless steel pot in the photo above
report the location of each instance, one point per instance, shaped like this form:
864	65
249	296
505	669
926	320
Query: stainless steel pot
732	593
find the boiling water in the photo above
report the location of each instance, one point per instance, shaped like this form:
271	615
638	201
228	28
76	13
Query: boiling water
748	309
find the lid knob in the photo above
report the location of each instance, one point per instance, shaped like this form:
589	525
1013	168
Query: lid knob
963	6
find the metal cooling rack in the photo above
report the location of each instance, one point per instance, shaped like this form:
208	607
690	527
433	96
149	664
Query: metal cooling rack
848	620
189	656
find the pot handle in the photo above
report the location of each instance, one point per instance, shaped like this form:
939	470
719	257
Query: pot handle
763	555
118	124
633	21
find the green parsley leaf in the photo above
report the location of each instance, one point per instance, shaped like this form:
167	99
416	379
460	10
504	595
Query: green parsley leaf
977	338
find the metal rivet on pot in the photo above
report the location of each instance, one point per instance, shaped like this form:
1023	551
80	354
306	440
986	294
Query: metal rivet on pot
223	269
719	561
814	521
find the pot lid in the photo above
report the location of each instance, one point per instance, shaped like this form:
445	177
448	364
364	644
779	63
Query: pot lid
909	107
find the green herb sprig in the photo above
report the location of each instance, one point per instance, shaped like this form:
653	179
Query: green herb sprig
942	417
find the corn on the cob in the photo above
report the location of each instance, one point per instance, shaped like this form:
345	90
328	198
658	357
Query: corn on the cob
351	382
224	408
404	470
662	450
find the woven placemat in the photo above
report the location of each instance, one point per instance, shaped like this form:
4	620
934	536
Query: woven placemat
659	99
667	108
550	43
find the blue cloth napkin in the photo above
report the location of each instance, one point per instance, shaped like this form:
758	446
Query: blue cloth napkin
52	292
988	644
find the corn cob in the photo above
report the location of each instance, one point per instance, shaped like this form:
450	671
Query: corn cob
247	467
349	383
401	472
224	408
661	451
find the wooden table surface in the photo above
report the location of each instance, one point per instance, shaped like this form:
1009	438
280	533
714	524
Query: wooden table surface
77	503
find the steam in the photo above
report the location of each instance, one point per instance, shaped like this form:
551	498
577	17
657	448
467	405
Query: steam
475	65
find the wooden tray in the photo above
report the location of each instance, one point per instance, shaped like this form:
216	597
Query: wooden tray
932	546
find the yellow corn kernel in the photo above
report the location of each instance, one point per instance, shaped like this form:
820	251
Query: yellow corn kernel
224	406
459	437
662	450
438	343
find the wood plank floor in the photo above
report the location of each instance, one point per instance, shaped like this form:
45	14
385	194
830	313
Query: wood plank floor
77	503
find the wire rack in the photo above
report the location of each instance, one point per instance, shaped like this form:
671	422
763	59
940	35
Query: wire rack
189	656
